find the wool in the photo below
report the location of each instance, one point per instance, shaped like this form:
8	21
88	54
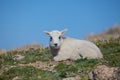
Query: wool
63	48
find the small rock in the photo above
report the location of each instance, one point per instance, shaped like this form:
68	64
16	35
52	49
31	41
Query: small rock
90	76
17	78
77	77
117	74
18	57
69	78
39	77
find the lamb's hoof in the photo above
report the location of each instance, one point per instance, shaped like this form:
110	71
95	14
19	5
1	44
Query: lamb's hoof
56	59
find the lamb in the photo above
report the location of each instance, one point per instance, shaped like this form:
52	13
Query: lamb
65	48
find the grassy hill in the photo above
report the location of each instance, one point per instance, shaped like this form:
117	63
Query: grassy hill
37	64
111	33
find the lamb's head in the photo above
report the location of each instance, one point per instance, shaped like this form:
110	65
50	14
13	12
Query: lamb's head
56	38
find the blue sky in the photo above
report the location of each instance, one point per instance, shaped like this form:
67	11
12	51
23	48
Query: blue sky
23	21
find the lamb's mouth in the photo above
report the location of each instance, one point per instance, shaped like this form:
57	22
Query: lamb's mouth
55	47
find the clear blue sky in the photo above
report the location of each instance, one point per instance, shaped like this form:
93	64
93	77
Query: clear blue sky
23	21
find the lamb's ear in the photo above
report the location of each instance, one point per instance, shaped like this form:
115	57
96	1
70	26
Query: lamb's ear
48	33
63	31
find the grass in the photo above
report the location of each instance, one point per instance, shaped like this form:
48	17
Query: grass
111	51
109	48
79	67
36	55
28	73
30	56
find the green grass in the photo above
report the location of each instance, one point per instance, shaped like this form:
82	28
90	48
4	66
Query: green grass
36	55
79	67
111	51
28	73
109	48
7	60
32	55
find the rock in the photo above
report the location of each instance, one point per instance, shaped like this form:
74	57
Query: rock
18	57
117	74
69	78
102	72
17	78
91	76
77	77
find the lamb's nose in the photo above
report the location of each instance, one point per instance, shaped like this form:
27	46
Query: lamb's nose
55	44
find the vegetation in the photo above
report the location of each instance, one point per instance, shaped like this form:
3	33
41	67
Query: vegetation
10	68
111	51
28	73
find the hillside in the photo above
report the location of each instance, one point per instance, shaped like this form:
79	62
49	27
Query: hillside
2	51
27	47
33	62
111	33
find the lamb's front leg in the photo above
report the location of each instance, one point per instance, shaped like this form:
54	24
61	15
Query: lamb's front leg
57	58
61	58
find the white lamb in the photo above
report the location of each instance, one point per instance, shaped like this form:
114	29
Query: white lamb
63	48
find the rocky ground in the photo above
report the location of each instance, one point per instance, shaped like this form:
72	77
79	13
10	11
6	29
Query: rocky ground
35	63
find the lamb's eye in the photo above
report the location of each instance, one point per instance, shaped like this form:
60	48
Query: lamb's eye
59	37
50	38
